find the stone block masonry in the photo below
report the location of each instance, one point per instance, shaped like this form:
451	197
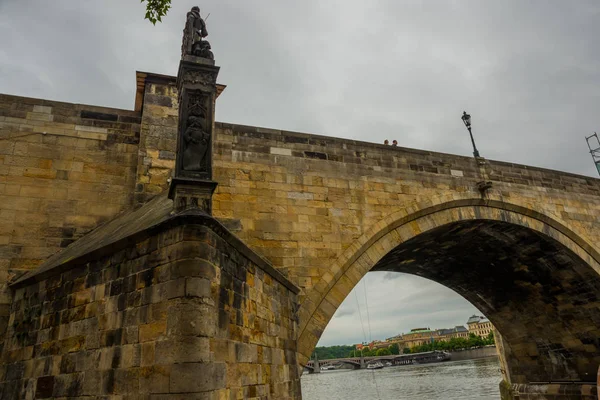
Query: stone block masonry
158	137
64	169
324	211
175	312
157	100
303	200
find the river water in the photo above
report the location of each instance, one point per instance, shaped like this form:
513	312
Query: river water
452	380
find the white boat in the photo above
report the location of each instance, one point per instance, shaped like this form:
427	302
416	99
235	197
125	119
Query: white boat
327	367
375	365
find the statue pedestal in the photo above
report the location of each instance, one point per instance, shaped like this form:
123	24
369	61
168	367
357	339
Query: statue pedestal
189	193
192	185
197	60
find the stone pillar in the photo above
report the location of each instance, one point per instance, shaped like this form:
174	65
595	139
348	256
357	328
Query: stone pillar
503	352
598	383
316	365
192	185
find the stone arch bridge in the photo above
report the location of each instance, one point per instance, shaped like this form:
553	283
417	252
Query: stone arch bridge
395	359
355	362
327	211
299	219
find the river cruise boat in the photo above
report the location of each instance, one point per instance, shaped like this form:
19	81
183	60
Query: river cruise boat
422	358
375	365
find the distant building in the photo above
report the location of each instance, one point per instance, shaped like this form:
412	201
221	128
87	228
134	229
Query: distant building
479	326
399	340
379	344
361	346
458	331
374	345
417	337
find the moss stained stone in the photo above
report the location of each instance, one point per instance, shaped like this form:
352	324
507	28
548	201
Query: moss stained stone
131	330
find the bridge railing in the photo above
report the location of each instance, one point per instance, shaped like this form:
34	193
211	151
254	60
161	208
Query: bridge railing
357	360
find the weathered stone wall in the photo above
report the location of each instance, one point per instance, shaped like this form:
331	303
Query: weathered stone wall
546	391
157	100
256	331
177	315
303	199
473	354
323	210
158	137
64	169
93	330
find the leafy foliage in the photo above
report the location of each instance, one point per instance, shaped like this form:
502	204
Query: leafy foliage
382	352
392	349
156	9
327	353
454	344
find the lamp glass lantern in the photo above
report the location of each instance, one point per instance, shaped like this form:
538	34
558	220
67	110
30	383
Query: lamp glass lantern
466	118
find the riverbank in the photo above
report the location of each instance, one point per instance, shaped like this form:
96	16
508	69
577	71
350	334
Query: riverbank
473	354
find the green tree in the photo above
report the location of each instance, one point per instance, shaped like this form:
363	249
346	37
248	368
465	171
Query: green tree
424	347
326	353
394	349
458	343
475	341
406	350
382	352
156	9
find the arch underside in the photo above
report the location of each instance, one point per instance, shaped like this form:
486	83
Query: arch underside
537	281
541	297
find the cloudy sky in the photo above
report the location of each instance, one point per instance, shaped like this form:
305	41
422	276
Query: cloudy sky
385	304
528	73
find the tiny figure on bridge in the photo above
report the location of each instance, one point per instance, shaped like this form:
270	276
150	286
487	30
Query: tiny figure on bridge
386	142
395	143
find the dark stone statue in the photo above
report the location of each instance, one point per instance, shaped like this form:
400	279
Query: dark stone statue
193	36
196	138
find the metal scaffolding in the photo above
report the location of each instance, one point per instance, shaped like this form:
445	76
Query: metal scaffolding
594	147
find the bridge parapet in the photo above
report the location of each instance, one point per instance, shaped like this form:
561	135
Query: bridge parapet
272	144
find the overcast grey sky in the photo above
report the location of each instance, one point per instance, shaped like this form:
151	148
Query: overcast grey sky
528	73
396	304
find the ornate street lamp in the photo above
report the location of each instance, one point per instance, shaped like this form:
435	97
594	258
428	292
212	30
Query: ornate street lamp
467	120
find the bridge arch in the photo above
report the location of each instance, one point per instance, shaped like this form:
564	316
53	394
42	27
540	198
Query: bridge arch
547	308
350	361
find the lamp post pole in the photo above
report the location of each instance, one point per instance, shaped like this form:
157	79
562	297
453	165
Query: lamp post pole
466	118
